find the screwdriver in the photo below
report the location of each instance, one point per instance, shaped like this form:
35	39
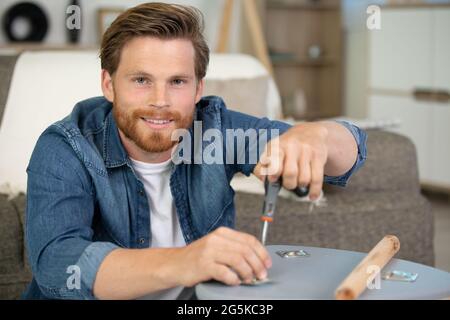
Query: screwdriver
270	200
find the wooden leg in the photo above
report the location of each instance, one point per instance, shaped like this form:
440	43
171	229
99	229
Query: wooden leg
259	42
225	27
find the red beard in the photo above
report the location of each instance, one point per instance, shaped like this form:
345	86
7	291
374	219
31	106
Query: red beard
145	138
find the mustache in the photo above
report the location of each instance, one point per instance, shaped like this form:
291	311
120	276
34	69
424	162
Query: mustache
158	114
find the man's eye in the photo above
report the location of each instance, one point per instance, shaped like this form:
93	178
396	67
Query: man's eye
178	82
140	80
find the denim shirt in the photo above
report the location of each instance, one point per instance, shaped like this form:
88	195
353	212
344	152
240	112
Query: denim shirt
84	199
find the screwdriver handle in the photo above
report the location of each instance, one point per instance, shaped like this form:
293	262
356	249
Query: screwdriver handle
271	193
301	191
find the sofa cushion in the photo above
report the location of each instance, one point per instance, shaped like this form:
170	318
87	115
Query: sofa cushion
11	238
391	165
15	272
13	285
19	202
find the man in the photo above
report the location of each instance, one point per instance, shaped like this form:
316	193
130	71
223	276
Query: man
111	216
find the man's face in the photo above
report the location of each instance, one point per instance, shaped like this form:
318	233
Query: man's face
154	90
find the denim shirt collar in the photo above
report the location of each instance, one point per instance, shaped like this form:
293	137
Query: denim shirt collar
114	153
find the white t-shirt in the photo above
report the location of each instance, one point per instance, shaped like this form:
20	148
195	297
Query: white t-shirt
165	227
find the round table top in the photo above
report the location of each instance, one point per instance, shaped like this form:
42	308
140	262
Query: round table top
318	275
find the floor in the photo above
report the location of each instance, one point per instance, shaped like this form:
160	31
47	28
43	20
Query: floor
441	209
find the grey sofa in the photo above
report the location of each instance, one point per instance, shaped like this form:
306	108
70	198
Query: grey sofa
382	198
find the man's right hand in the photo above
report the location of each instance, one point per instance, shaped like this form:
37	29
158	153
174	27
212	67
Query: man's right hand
224	255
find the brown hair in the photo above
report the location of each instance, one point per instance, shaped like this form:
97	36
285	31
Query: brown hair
160	20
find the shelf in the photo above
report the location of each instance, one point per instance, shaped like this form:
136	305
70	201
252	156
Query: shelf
294	26
288	5
311	116
437	5
303	62
18	47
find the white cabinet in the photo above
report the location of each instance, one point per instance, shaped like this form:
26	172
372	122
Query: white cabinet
401	52
416	124
441	49
440	146
411	52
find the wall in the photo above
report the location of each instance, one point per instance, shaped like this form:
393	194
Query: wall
55	10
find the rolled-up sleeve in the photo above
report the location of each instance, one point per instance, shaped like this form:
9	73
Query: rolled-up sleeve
89	262
361	140
60	209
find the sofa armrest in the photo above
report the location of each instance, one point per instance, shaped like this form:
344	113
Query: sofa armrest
7	64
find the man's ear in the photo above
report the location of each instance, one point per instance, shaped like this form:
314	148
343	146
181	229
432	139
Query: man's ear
199	93
107	86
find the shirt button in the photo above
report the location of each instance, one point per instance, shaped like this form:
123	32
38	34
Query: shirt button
141	192
141	240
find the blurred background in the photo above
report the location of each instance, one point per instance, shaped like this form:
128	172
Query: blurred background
385	65
324	58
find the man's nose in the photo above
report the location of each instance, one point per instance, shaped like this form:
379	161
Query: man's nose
158	97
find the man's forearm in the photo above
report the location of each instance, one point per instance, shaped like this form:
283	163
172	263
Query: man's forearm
342	149
133	273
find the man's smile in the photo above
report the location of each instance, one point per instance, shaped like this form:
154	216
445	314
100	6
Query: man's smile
156	123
